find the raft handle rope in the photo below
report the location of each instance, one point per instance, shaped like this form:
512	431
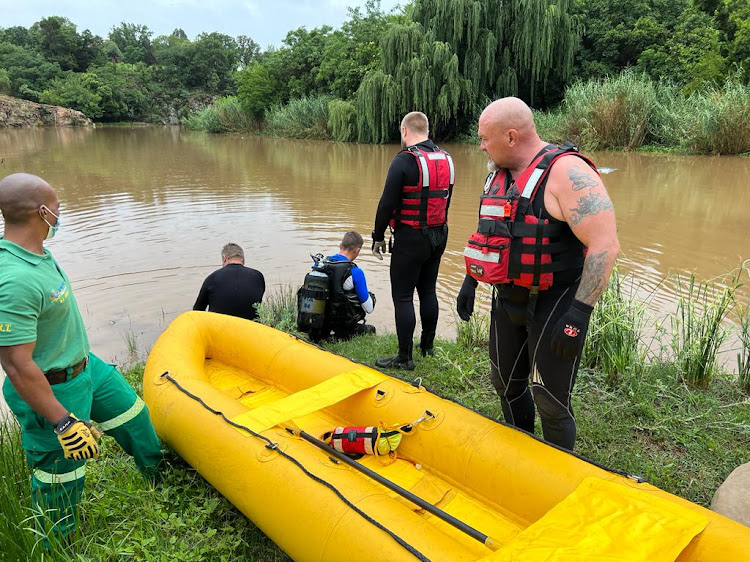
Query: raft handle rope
275	446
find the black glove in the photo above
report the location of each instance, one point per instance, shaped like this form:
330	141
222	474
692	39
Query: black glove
465	300
378	246
569	333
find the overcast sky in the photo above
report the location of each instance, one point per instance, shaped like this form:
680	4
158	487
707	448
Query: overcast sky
265	21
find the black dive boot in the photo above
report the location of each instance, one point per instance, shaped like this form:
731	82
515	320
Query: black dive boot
401	361
426	344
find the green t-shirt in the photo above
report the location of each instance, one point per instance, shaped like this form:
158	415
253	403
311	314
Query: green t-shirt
37	305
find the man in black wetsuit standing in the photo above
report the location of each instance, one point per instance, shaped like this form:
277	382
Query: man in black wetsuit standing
414	203
234	289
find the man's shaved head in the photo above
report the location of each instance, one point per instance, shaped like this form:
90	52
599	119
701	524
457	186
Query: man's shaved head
508	135
21	195
509	113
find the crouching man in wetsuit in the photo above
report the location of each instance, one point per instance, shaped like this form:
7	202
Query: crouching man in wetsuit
349	299
55	386
547	242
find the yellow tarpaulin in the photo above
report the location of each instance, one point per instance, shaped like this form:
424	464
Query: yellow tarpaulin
310	400
606	522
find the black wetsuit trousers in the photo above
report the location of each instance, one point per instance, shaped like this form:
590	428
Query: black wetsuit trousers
414	265
519	349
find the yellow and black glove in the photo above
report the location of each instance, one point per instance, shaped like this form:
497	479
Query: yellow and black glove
78	438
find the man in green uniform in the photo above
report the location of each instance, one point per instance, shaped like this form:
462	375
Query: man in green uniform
54	385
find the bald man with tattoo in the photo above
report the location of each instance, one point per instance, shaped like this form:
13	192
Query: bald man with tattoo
546	242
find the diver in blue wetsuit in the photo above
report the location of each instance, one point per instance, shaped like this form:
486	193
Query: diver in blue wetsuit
349	299
339	288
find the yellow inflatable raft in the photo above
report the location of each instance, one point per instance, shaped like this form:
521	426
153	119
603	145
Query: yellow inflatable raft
247	405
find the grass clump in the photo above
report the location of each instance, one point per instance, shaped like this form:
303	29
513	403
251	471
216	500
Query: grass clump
613	343
698	330
718	120
614	112
302	118
223	116
279	309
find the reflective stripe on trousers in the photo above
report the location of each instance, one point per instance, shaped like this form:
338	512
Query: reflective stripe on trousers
125	417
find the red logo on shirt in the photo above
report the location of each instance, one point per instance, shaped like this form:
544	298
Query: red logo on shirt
571	331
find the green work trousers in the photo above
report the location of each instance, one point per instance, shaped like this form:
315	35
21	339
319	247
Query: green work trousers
100	393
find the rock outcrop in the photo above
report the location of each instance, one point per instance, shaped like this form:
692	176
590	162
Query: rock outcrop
732	499
16	112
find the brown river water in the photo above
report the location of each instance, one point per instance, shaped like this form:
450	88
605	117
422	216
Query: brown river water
146	210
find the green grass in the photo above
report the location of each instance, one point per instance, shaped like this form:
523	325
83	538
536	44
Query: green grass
223	116
302	118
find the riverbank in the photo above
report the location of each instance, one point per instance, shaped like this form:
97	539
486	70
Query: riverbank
625	112
682	439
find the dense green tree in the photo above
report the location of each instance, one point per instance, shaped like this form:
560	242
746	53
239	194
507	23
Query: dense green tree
452	53
28	71
77	90
691	55
353	51
57	40
134	42
247	49
128	91
616	32
213	59
17	35
173	53
4	81
257	90
295	65
736	14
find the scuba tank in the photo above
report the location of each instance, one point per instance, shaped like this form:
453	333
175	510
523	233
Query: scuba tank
312	297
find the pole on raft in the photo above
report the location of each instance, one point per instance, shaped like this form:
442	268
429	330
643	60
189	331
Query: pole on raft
437	512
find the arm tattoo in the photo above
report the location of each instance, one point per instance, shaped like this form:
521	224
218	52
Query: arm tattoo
593	279
581	178
590	204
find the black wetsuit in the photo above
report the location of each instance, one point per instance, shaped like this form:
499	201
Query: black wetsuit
520	348
415	258
234	289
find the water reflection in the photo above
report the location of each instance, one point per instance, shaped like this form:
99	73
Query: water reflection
147	210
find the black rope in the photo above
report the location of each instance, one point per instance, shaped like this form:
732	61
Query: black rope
274	446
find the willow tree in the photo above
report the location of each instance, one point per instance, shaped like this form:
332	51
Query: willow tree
451	55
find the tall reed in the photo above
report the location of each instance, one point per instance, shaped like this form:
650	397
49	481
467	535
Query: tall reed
743	355
302	118
613	344
223	116
718	121
279	309
614	112
697	330
474	334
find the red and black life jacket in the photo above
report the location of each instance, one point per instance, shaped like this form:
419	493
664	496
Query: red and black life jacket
426	204
513	243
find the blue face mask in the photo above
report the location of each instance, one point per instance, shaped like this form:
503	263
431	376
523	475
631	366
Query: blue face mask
52	229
